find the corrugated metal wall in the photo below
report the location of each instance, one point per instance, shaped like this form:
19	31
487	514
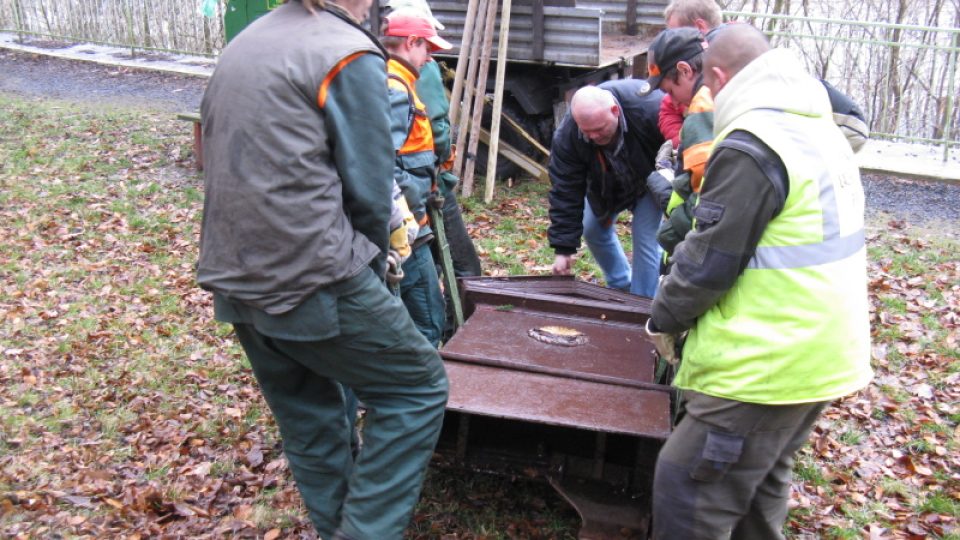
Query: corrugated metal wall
571	35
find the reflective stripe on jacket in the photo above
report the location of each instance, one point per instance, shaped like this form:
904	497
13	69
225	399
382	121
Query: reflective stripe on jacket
419	135
794	328
283	213
415	168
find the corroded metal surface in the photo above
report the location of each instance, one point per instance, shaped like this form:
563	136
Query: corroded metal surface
555	378
602	381
552	400
618	351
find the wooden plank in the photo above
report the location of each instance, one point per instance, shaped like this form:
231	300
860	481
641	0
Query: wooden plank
463	58
497	101
194	117
531	167
471	156
470	88
190	117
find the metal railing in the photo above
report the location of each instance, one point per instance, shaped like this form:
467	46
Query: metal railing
905	76
154	26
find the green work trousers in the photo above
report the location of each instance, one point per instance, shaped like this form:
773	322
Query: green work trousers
379	355
725	470
420	292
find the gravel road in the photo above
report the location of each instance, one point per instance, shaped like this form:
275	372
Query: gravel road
927	204
45	76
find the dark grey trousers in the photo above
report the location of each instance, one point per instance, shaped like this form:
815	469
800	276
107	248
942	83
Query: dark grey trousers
725	470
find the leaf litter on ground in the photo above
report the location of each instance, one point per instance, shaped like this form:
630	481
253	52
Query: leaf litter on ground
126	411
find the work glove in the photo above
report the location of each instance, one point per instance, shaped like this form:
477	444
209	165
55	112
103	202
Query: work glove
666	344
666	157
659	186
403	226
394	268
413	230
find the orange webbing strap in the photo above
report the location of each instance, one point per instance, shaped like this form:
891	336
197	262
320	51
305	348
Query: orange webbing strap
325	85
695	160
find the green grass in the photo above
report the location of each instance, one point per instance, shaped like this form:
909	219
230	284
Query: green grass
109	355
939	503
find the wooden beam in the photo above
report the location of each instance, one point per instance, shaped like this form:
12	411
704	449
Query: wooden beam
631	16
471	156
497	100
522	160
469	89
462	60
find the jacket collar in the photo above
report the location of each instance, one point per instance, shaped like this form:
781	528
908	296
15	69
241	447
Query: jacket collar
776	80
404	69
340	13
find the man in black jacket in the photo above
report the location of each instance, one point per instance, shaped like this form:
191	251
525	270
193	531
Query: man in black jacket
601	155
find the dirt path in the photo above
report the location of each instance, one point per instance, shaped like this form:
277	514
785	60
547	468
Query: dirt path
43	76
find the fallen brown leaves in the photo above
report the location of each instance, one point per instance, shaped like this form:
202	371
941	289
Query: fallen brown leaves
125	411
888	456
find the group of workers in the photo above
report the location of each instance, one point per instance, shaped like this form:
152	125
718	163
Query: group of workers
327	154
760	219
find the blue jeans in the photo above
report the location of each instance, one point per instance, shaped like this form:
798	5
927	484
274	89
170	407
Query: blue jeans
603	243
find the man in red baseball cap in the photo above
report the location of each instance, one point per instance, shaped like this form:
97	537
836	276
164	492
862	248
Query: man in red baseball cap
412	23
409	36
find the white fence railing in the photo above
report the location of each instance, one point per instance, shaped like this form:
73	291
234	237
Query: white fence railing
904	73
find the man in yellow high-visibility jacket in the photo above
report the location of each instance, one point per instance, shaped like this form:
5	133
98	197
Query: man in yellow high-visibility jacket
771	284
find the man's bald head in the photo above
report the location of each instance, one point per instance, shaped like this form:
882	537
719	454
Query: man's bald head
736	45
731	49
591	99
596	113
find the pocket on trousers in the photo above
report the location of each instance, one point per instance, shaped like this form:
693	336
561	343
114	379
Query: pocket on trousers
720	452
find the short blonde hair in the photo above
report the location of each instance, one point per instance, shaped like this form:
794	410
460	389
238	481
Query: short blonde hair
688	11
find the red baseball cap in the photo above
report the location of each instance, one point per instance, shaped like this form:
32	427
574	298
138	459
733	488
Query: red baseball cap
404	25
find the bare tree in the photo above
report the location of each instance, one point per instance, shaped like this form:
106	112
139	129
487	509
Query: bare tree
901	76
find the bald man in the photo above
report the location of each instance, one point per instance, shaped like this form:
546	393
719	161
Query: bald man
601	154
771	286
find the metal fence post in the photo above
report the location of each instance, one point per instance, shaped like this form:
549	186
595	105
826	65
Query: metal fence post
131	38
948	114
18	15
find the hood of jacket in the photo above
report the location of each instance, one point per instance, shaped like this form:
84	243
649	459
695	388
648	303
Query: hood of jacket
776	80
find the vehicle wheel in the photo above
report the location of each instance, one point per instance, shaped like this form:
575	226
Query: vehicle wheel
506	168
